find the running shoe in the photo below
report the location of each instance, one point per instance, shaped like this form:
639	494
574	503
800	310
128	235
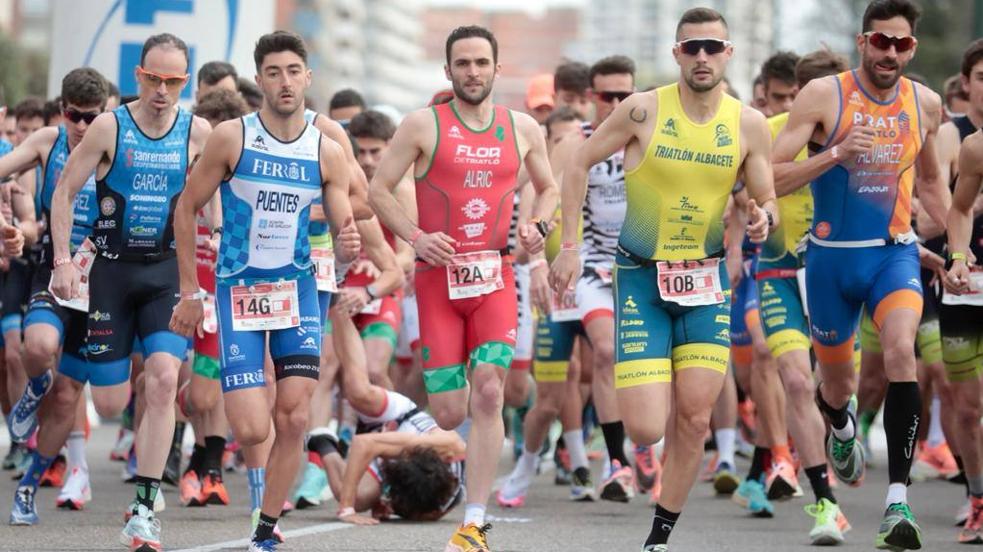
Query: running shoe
710	468
830	523
972	531
898	530
469	538
750	494
646	468
656	548
159	506
54	476
846	459
724	480
190	490
23	465
142	531
581	486
121	449
746	417
172	469
619	487
269	545
561	459
23	418
129	474
23	511
76	492
312	485
277	534
13	457
963	514
213	490
934	463
781	481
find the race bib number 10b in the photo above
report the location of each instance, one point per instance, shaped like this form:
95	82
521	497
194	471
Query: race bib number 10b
474	274
271	306
690	283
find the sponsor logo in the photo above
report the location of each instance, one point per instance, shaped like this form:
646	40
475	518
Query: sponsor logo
102	242
669	128
267	224
309	343
884	127
477	155
855	99
685	205
630	306
107	206
100	332
146	198
99	349
235	353
473	230
247	378
129	137
904	122
455	132
511	333
145	231
722	135
282	171
259	143
872	189
823	230
105	224
164	160
500	133
829	335
475	208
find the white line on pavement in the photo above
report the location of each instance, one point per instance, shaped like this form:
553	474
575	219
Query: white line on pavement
304	531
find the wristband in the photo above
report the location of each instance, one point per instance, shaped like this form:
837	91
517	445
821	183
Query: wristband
345	512
61	261
771	219
199	295
957	256
835	152
537	263
569	246
416	235
542	227
217	230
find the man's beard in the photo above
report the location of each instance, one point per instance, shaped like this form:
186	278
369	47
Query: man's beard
475	99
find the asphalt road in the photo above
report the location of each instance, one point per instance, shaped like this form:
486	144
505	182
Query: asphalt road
548	522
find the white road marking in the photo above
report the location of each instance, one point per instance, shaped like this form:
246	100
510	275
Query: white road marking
302	532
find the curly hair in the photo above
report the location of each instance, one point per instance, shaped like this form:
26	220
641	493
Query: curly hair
419	483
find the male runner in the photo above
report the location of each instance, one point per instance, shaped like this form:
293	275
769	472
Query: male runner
140	153
271	165
869	130
685	145
571	84
216	75
960	312
466	155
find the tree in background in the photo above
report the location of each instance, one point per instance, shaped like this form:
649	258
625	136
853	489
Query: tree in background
22	73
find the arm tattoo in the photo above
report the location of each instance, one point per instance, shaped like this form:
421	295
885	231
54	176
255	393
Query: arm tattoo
638	117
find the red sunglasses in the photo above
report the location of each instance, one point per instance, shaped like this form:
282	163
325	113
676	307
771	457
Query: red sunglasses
882	41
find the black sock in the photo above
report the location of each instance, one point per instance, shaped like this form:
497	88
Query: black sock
197	461
902	409
961	476
322	444
178	434
264	529
819	479
662	525
758	463
147	488
838	417
214	448
614	438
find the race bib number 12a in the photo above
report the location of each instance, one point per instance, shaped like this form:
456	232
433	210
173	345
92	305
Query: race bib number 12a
691	283
271	306
474	274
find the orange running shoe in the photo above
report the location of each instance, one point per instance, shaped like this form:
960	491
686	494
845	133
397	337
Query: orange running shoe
54	476
213	490
972	531
710	470
935	462
190	489
782	481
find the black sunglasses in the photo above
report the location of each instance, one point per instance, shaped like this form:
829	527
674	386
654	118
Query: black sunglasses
711	46
75	116
609	96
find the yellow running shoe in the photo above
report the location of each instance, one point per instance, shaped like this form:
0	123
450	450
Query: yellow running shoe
469	537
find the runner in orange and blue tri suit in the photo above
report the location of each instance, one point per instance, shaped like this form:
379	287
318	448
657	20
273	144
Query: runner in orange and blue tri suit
868	130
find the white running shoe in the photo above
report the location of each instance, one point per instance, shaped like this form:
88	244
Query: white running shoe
75	493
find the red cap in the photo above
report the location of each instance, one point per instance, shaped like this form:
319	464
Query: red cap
540	91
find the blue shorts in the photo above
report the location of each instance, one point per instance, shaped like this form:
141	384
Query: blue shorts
295	351
744	304
840	281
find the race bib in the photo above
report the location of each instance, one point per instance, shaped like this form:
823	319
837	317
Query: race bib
474	274
564	307
84	256
210	322
372	307
973	298
689	283
323	258
604	274
271	306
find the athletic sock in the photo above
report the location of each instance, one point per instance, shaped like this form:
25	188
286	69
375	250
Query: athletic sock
726	441
902	408
474	513
614	439
866	419
574	440
819	479
935	435
662	525
37	383
264	529
32	477
197	461
962	472
975	485
214	448
759	461
76	451
257	486
147	488
896	493
839	418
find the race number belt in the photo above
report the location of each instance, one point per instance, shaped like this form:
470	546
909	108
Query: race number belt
83	258
973	297
474	274
690	283
268	306
210	322
323	258
564	307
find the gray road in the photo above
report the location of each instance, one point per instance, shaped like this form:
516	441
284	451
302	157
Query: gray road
548	522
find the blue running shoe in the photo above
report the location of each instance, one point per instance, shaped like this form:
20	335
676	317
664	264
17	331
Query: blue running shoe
23	418
23	511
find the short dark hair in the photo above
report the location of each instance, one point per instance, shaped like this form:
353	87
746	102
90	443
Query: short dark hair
612	65
164	39
214	71
278	41
129	98
471	31
221	105
52	108
347	97
695	16
372	124
112	90
972	56
420	483
882	10
250	92
84	87
29	108
573	76
818	64
953	89
560	115
780	66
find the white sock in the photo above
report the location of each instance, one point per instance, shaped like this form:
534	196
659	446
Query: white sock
726	439
935	435
522	475
896	492
847	432
76	451
396	406
474	513
574	440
